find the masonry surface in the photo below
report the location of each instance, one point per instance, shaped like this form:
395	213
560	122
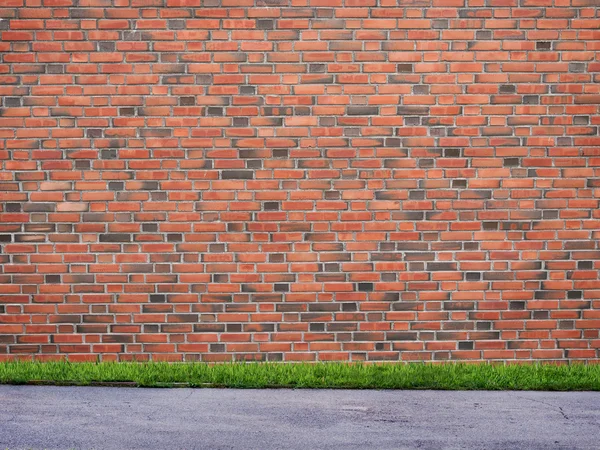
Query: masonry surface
291	180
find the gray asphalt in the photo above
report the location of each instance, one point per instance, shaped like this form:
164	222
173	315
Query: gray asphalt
128	418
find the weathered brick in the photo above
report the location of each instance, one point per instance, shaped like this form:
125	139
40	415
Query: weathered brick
280	183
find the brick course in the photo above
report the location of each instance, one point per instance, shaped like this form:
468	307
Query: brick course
291	180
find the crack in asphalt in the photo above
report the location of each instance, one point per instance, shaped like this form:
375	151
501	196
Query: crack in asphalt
189	395
558	408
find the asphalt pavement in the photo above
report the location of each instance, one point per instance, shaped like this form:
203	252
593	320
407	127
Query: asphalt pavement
49	417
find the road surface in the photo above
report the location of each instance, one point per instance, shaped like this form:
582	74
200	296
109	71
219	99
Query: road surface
52	417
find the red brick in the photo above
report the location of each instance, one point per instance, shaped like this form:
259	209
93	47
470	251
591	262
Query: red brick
374	184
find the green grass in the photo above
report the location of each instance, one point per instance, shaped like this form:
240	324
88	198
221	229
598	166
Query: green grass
320	375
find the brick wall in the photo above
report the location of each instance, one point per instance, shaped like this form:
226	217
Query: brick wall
300	179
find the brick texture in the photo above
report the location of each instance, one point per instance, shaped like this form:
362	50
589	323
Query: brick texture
291	180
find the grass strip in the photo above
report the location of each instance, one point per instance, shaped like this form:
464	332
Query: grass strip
546	377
